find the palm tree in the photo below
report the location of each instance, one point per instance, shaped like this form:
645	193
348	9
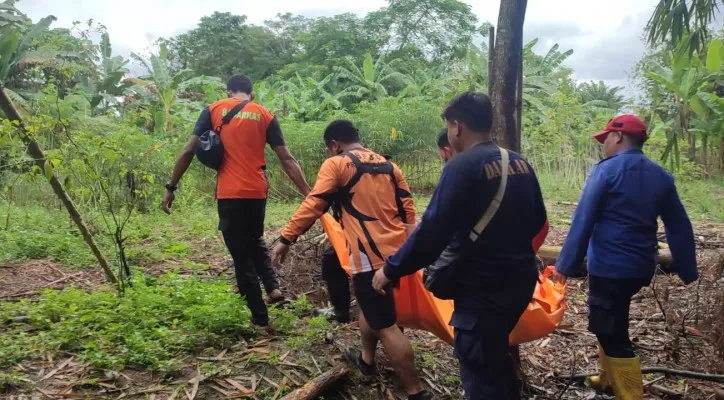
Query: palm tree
368	83
674	20
162	84
597	95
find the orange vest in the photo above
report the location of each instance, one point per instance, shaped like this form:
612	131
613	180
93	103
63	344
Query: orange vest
241	175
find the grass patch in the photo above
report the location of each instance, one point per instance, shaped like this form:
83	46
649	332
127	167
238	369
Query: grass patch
156	321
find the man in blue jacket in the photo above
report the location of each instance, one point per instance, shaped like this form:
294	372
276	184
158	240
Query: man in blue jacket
616	224
497	273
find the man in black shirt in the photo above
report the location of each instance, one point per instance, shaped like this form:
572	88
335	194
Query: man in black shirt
496	274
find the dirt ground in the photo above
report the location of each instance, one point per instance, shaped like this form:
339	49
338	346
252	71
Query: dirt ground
672	326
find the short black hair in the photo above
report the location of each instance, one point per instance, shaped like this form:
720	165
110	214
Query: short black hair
471	108
239	84
342	131
442	140
637	140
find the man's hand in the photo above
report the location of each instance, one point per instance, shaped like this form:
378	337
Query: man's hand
380	281
559	278
168	199
279	254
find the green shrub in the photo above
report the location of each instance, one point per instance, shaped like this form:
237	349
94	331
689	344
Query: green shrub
153	323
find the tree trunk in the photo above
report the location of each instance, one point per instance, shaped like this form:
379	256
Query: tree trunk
704	149
317	386
549	255
721	152
39	158
519	103
508	50
491	60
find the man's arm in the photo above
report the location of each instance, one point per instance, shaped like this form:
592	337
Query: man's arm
315	204
186	156
680	237
291	167
289	164
584	219
403	192
183	161
437	228
541	215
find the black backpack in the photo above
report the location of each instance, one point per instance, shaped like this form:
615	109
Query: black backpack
209	149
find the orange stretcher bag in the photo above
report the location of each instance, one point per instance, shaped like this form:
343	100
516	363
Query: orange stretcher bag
417	308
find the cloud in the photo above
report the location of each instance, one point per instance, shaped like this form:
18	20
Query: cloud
610	57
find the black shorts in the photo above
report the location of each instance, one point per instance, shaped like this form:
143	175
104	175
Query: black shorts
378	310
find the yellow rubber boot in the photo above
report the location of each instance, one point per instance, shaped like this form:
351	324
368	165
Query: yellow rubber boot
626	379
600	382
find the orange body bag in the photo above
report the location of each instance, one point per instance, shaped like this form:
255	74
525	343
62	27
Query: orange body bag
418	309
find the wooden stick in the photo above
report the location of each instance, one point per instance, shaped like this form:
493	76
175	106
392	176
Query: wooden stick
658	389
660	370
318	385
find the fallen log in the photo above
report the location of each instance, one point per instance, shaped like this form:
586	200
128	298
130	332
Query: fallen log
317	386
550	254
658	370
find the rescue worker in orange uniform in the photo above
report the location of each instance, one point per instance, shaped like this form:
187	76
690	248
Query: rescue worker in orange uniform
376	205
241	187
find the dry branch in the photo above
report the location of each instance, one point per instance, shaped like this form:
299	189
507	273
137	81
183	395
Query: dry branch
659	370
318	385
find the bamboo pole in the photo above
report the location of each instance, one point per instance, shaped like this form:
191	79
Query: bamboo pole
36	152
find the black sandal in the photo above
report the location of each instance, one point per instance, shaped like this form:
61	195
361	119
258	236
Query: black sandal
354	356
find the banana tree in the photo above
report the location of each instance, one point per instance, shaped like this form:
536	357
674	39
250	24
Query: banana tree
17	53
429	83
163	84
309	99
110	85
681	91
542	75
368	83
471	72
11	17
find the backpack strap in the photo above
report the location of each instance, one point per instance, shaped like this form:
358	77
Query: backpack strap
495	203
362	168
231	114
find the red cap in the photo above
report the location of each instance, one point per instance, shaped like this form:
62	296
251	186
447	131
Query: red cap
628	124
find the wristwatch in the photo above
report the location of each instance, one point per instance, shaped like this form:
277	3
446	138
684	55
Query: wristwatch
170	187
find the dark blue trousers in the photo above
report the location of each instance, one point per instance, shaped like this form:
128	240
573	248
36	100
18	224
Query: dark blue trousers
609	301
481	342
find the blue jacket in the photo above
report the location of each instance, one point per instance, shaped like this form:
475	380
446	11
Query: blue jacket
616	220
503	252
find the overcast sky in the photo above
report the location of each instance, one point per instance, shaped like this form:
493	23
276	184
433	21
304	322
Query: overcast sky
606	36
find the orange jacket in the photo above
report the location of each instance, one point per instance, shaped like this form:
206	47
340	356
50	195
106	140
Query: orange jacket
374	209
